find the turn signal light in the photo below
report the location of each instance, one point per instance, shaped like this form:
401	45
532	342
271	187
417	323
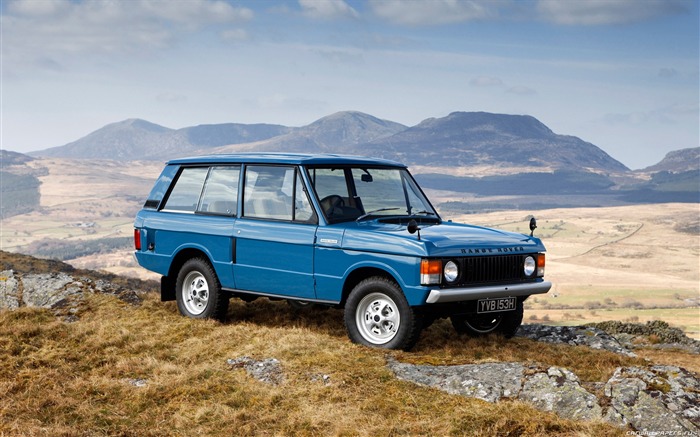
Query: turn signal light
540	265
430	271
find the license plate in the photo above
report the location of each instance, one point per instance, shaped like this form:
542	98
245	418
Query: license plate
496	305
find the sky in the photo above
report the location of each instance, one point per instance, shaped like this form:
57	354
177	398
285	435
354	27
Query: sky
621	74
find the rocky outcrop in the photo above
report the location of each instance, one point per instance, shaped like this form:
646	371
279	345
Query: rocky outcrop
661	399
575	336
59	291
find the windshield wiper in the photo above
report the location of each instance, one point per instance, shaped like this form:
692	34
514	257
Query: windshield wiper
364	216
423	212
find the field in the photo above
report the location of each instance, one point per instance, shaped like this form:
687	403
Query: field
629	263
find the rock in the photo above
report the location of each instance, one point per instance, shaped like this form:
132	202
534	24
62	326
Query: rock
9	290
560	391
658	399
574	335
655	334
489	382
46	289
268	370
58	291
663	398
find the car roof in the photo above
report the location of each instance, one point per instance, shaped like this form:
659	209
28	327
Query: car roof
287	158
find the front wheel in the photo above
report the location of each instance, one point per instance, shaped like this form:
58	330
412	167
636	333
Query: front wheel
477	325
378	315
198	291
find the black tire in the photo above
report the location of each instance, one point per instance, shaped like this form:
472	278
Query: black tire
378	315
477	325
198	291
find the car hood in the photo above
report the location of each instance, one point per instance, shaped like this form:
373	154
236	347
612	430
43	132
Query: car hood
444	239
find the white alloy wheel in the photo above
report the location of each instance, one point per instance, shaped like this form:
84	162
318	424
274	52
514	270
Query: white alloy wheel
377	318
195	293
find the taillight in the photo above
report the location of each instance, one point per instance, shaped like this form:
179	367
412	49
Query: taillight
430	271
540	265
137	239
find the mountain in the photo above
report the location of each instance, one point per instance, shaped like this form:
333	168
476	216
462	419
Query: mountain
8	158
19	184
335	133
677	161
459	139
136	139
480	138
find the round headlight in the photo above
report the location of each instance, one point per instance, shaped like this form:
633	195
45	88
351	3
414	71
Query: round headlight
529	266
451	271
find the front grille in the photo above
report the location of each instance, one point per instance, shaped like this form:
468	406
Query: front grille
488	269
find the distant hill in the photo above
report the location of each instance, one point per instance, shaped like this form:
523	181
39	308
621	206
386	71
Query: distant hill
677	161
19	190
8	158
478	138
341	132
136	139
459	139
569	165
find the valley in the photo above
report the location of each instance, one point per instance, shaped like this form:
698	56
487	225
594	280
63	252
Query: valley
629	263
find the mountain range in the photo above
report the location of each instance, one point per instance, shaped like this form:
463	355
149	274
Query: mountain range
459	139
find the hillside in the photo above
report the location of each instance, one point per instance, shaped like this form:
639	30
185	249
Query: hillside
19	184
341	132
98	354
136	139
478	138
459	139
677	161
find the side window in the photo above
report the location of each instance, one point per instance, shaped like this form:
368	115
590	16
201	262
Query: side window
275	192
264	194
185	194
220	195
161	186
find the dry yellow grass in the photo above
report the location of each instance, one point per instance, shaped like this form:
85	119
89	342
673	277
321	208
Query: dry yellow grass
616	263
75	379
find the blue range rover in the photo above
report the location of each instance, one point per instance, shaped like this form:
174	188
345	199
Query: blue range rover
349	232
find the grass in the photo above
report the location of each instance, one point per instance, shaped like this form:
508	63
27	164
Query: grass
76	379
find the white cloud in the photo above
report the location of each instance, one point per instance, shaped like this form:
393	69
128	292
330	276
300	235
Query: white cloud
52	29
485	81
435	12
327	9
604	12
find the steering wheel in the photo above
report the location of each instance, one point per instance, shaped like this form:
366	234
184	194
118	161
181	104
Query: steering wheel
329	203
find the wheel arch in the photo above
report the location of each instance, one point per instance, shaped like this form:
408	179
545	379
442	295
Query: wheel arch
182	256
359	274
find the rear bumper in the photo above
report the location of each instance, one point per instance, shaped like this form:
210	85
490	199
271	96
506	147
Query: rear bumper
465	294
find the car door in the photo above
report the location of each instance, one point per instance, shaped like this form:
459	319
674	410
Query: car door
274	249
199	213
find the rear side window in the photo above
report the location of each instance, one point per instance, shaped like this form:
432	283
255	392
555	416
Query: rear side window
161	186
220	195
185	194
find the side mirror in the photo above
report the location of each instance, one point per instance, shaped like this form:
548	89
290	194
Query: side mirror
533	225
413	228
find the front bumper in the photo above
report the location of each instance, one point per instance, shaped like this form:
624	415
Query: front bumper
443	295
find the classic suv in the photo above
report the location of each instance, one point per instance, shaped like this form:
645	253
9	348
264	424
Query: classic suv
349	232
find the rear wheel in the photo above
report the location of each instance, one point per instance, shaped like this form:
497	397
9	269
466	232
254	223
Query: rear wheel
477	325
198	291
378	315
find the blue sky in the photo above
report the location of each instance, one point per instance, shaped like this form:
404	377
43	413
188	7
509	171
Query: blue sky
622	74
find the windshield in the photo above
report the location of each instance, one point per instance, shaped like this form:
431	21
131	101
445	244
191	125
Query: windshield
353	193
